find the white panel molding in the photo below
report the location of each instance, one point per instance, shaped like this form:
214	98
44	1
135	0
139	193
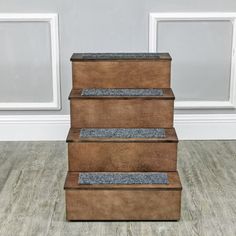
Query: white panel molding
52	20
155	18
56	127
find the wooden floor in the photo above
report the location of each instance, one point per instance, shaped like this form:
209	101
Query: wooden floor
32	201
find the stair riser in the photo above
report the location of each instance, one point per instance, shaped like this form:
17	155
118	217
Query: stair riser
121	74
128	156
119	204
122	113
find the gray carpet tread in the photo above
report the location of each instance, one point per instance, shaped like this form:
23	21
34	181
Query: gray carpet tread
121	93
125	92
173	183
169	136
120	56
122	133
122	178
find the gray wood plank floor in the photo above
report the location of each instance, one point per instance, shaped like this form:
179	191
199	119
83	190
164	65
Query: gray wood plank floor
32	202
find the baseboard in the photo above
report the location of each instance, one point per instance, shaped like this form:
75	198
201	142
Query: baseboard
55	127
205	126
34	127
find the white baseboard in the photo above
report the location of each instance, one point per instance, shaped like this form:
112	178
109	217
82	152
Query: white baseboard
205	126
55	127
34	127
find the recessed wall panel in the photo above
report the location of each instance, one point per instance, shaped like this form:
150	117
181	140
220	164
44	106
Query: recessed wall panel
25	62
201	53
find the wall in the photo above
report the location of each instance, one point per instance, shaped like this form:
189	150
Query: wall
100	26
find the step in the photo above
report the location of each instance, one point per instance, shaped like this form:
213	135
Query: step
127	201
121	70
121	153
153	109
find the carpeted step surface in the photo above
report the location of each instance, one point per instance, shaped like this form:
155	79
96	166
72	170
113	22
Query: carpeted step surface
122	178
122	92
119	56
122	133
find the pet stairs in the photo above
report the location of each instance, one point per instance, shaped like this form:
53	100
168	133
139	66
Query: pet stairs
122	147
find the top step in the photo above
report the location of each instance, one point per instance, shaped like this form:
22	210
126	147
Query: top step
121	70
119	56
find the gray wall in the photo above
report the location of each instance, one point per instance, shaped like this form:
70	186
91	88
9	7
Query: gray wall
90	26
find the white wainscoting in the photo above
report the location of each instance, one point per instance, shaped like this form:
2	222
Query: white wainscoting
52	19
155	18
56	127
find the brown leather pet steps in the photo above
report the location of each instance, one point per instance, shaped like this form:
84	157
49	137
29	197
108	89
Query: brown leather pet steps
122	147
